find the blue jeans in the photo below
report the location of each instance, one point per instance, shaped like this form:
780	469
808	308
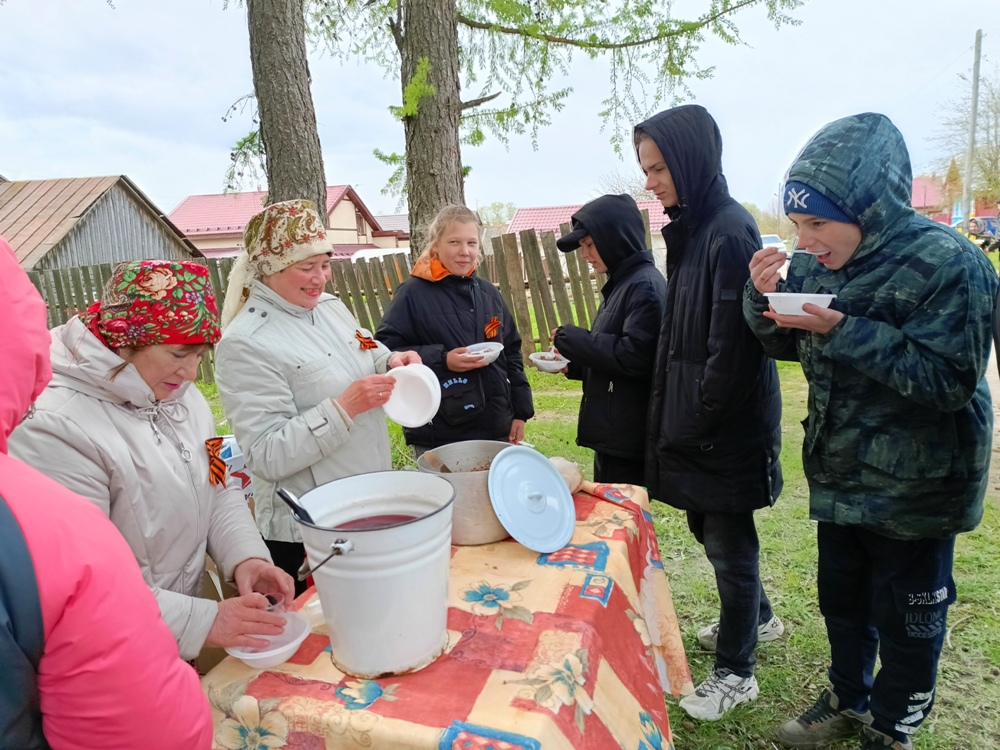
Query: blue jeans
888	597
730	541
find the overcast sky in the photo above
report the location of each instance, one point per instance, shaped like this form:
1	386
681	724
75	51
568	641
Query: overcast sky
141	90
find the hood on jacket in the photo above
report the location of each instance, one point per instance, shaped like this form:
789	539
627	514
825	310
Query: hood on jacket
861	164
82	362
615	225
24	341
691	144
430	268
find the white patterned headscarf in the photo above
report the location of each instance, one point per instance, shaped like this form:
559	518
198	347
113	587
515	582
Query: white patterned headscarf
279	236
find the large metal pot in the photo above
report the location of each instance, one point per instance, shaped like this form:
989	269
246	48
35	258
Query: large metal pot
473	520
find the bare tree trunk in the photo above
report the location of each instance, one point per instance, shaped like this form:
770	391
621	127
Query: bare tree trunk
287	116
427	29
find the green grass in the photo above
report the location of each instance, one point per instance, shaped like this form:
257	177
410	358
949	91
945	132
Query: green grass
792	671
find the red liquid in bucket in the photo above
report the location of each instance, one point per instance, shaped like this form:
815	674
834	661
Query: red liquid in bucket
370	523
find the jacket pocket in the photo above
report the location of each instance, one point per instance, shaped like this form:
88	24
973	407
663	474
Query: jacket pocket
683	417
907	457
310	371
461	399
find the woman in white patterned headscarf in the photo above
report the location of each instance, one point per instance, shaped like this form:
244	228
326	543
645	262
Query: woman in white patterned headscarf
301	381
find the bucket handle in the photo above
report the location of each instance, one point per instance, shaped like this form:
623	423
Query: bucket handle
339	547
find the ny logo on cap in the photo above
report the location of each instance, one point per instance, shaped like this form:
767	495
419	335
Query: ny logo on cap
796	199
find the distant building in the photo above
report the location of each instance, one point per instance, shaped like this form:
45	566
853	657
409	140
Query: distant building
85	221
928	198
215	223
398	223
548	219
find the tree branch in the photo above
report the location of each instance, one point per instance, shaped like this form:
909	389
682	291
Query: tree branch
681	30
395	26
480	100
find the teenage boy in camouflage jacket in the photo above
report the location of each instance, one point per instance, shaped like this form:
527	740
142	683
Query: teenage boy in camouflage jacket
898	438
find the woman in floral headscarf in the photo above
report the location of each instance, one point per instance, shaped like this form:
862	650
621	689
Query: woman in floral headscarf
119	425
301	381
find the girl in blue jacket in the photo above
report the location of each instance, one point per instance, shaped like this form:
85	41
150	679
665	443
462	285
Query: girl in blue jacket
438	312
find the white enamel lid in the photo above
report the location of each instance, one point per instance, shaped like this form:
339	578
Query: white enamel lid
531	499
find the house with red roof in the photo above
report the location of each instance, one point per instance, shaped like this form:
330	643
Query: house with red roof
214	223
548	219
928	198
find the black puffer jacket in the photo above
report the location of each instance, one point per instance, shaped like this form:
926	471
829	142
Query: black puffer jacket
434	317
715	414
615	357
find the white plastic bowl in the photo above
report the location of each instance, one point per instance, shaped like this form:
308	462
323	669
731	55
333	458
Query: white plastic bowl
489	350
281	647
415	398
548	362
790	303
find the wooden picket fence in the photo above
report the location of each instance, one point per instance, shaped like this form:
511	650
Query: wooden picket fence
541	293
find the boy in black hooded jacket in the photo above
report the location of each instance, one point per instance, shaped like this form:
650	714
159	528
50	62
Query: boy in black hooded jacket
714	430
614	359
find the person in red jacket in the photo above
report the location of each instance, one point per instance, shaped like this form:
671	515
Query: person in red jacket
87	659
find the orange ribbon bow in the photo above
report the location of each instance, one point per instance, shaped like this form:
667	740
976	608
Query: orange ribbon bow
367	342
492	328
216	464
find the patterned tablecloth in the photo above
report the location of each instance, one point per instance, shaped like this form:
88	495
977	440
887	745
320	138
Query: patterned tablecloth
572	649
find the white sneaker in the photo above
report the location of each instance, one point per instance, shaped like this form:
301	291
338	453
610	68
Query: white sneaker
771	630
718	693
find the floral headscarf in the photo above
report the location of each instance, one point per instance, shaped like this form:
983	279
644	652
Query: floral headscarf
148	302
279	236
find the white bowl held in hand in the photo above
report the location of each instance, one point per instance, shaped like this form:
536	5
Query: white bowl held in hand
489	351
280	648
416	396
790	303
548	361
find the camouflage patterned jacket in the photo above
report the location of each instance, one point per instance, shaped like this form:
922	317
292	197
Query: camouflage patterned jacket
900	423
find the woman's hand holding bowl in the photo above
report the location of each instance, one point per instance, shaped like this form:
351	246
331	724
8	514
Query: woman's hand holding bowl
366	394
240	619
400	359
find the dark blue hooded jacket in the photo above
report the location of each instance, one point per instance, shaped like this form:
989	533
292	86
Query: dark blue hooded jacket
714	431
615	357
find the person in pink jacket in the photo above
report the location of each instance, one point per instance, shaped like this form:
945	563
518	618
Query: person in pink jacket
87	660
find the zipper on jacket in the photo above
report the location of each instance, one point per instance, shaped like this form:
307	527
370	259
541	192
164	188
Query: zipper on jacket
187	456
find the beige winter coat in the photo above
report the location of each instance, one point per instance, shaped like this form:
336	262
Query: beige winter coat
145	464
279	368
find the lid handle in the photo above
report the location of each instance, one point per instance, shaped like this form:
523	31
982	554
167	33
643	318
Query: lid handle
534	500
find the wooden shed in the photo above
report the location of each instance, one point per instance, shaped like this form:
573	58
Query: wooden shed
86	221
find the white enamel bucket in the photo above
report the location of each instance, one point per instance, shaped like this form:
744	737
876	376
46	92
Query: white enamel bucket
384	592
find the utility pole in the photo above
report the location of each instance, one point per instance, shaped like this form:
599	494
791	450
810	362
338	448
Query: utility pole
973	112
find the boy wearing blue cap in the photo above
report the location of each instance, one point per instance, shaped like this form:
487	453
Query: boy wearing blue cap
898	437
